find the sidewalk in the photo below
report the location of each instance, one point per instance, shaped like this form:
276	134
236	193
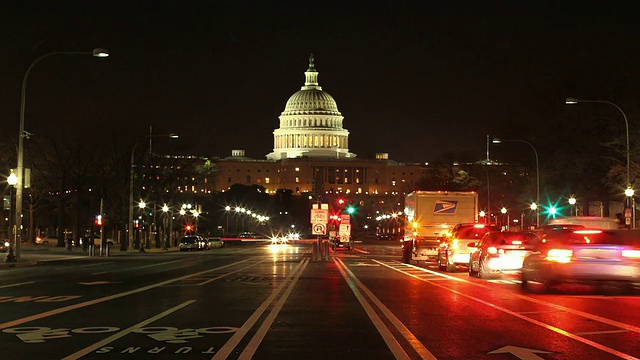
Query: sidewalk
31	254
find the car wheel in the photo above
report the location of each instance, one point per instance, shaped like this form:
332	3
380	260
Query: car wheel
482	273
523	281
45	242
471	271
449	267
441	266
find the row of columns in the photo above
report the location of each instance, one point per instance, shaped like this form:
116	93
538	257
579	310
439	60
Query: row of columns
310	141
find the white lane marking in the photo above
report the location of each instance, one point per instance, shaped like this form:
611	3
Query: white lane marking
96	264
525	318
64	258
404	331
384	331
360	251
18	284
158	264
228	347
602	332
112	297
528	298
116	336
251	348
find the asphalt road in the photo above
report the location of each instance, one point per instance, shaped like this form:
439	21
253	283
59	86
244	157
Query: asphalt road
275	302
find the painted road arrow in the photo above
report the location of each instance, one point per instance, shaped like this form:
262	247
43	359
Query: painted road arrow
520	352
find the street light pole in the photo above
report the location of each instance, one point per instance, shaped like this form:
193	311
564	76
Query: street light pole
498	141
628	191
21	134
12	180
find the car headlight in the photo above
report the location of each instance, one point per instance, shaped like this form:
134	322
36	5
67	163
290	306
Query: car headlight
6	243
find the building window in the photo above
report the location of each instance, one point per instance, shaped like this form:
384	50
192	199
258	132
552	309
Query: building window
229	180
297	169
248	179
297	179
266	180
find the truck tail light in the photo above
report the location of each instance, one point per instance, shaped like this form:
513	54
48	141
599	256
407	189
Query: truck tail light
559	255
492	250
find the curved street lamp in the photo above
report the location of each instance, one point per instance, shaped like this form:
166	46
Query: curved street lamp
498	141
97	52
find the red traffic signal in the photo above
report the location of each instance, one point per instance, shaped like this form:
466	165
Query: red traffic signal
99	220
341	201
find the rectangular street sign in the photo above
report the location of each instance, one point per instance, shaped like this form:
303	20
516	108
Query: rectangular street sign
319	216
345	230
345	219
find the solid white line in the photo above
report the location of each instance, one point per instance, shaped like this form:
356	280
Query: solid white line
602	332
96	264
530	299
116	336
386	334
251	348
406	333
111	297
65	258
231	344
18	284
525	318
158	264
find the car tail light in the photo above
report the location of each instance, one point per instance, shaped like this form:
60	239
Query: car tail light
516	242
635	254
492	250
478	226
559	255
587	232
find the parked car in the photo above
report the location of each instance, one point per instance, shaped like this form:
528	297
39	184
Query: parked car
501	252
585	256
192	243
454	250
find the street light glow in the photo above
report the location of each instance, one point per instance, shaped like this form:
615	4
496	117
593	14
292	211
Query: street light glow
12	179
142	204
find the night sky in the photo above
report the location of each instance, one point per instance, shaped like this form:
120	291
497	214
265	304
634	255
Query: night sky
415	79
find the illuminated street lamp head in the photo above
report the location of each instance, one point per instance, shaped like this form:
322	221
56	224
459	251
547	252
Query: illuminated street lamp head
12	179
142	204
99	52
482	213
534	206
183	211
571	101
227	208
629	192
496	141
572	200
165	208
503	210
196	213
173	136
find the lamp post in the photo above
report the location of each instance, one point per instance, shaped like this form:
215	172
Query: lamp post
142	205
226	227
131	179
498	141
572	203
22	133
12	180
628	191
165	211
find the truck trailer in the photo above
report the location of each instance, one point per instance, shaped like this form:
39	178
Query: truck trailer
430	216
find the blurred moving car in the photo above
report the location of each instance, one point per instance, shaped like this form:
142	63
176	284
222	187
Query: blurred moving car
585	256
49	240
454	249
214	243
4	245
501	252
192	243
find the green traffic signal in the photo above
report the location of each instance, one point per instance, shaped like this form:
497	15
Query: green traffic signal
351	209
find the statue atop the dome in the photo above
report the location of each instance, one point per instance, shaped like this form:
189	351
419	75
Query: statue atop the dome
311	65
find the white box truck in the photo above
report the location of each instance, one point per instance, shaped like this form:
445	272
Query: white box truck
430	216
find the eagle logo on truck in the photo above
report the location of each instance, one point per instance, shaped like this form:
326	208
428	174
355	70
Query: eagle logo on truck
445	207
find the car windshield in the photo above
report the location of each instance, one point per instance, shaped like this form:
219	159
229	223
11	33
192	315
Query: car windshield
189	240
473	232
512	238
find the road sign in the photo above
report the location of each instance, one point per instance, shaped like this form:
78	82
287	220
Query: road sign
319	229
319	216
345	230
345	219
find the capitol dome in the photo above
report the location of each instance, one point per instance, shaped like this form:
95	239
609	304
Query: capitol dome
310	124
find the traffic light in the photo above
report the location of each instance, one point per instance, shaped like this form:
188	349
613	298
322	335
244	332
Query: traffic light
341	201
351	209
98	220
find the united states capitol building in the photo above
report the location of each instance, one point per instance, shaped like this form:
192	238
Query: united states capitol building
311	154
